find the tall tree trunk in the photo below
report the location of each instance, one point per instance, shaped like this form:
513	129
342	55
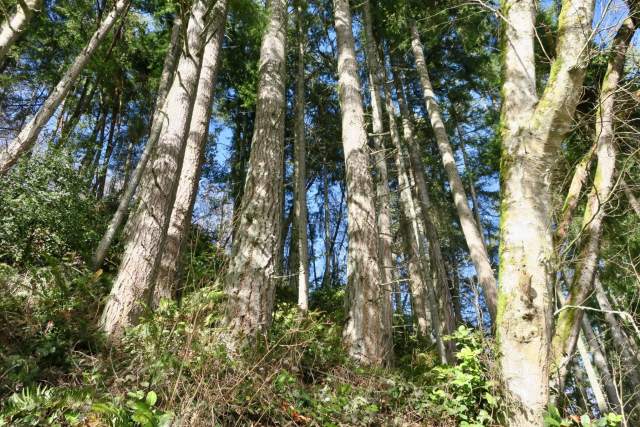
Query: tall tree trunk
147	226
383	199
326	228
592	375
300	167
83	101
600	360
573	196
364	334
102	173
633	201
471	181
250	284
423	294
181	213
424	204
90	151
16	24
159	118
29	133
569	319
475	243
531	132
625	346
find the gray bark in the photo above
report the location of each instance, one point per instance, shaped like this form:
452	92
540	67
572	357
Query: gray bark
300	150
181	213
250	281
16	24
166	79
532	130
376	79
148	224
475	243
363	334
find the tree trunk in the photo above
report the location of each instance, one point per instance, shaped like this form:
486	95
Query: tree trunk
147	227
470	229
569	319
250	284
159	117
600	361
531	132
300	167
592	375
424	298
364	334
102	173
573	196
181	213
424	203
633	201
383	199
29	133
11	29
625	346
326	216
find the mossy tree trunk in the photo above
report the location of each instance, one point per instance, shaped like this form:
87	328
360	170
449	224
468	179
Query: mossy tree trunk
569	319
532	130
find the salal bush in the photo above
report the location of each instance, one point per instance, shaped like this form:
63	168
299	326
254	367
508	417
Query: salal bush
47	212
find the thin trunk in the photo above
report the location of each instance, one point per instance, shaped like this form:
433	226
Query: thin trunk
84	99
625	346
102	173
250	284
470	229
90	151
599	359
532	130
328	245
592	375
29	133
300	167
181	213
16	24
633	201
148	224
430	230
423	294
364	334
159	118
573	196
385	259
470	177
569	319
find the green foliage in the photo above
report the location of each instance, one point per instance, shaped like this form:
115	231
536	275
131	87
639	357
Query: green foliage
553	418
465	390
46	213
47	315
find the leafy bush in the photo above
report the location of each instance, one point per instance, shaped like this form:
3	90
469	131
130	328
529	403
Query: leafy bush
45	212
47	315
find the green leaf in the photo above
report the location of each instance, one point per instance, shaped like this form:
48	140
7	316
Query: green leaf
151	398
